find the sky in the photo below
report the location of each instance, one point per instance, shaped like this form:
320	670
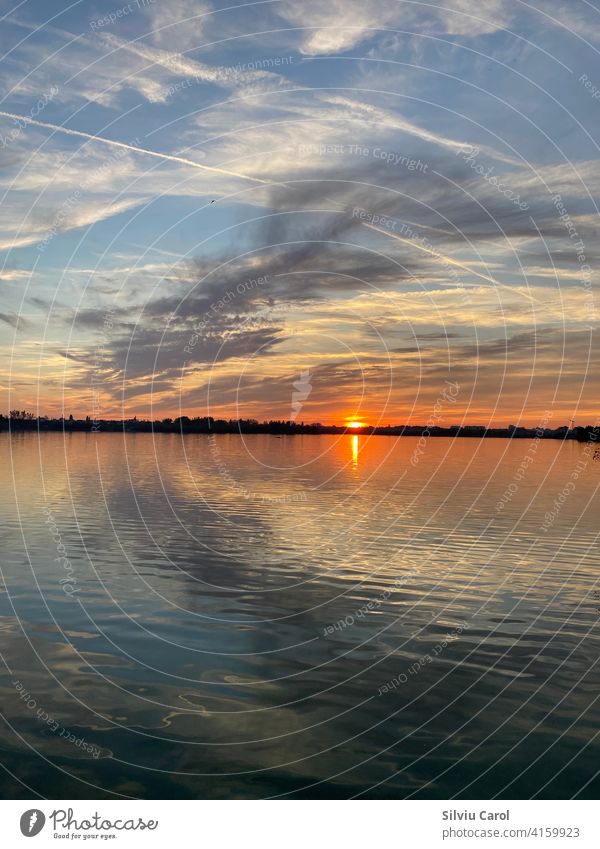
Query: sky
358	210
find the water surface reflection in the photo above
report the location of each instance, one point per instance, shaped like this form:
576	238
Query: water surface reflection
311	615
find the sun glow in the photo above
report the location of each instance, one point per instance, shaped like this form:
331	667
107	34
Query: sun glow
354	424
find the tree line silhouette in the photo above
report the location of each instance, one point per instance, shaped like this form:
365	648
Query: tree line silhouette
22	420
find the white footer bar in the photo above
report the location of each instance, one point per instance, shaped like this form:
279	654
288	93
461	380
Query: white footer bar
302	824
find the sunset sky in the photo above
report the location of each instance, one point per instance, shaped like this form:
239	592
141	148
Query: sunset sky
330	211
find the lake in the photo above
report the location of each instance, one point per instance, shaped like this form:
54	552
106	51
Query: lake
299	617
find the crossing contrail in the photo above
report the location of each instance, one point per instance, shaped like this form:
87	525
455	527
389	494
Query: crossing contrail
169	157
414	244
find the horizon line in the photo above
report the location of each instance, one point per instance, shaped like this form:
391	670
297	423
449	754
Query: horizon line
351	425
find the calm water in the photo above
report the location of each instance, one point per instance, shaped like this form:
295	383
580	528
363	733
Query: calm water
302	616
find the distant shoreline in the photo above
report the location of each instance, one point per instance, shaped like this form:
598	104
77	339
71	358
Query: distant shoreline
209	426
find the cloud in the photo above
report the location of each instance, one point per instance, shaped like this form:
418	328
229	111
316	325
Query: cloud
475	17
185	68
10	275
357	110
139	357
179	23
13	320
340	25
41	225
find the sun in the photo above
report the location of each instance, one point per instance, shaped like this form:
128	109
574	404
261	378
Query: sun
354	424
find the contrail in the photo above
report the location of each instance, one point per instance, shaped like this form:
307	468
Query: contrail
144	150
450	261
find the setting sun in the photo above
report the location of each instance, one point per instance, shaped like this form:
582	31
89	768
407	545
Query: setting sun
356	424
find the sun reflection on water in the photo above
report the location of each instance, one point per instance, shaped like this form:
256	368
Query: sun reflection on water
354	443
